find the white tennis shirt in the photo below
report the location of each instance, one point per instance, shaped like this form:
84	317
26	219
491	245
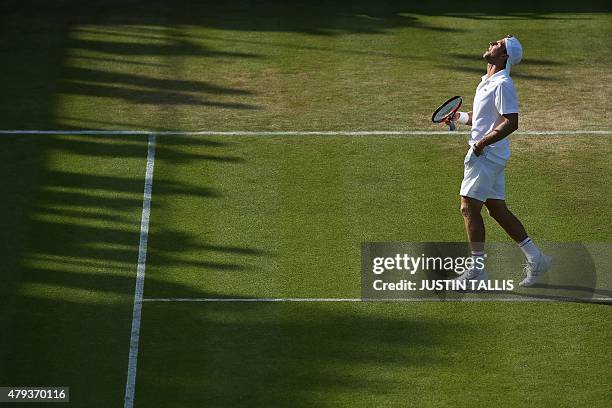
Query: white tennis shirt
495	96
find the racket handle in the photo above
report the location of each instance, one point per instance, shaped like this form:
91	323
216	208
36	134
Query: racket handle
451	125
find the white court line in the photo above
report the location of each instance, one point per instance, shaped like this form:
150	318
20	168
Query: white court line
130	386
433	299
291	132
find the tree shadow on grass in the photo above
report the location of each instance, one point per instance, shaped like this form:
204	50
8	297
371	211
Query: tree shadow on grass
70	245
71	305
98	146
283	355
505	15
171	49
536	62
524	71
571	293
577	288
152	35
482	71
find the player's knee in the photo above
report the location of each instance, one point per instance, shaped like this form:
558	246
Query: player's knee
468	211
497	212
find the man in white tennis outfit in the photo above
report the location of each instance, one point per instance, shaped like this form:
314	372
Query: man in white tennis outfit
494	117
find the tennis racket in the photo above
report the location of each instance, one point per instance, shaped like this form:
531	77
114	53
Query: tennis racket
446	111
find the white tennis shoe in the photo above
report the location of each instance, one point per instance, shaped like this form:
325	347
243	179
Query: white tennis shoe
535	270
472	274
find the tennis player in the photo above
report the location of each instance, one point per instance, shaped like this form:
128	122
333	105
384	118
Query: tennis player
494	117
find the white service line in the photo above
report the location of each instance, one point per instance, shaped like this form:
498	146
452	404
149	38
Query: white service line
290	132
130	386
432	299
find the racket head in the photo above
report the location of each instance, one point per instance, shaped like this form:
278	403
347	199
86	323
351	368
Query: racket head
447	109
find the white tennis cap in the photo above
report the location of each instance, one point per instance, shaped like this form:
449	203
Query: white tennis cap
514	51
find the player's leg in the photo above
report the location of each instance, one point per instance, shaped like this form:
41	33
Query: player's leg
506	219
537	261
475	189
474	224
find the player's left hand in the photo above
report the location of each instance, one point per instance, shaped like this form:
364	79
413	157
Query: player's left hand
477	148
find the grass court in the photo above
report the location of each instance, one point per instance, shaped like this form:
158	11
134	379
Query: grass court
283	216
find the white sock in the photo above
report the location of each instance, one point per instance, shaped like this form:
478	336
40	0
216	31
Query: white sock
478	260
531	251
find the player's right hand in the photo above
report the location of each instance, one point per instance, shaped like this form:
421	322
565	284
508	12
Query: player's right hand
454	118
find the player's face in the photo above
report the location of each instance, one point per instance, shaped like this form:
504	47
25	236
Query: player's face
496	52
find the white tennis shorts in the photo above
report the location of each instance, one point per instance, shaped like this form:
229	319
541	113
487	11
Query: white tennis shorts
482	178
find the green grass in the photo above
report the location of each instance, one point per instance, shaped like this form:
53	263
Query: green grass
369	354
285	216
345	65
335	81
71	226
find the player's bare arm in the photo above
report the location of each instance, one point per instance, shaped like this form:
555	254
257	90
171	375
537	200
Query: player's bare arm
508	125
